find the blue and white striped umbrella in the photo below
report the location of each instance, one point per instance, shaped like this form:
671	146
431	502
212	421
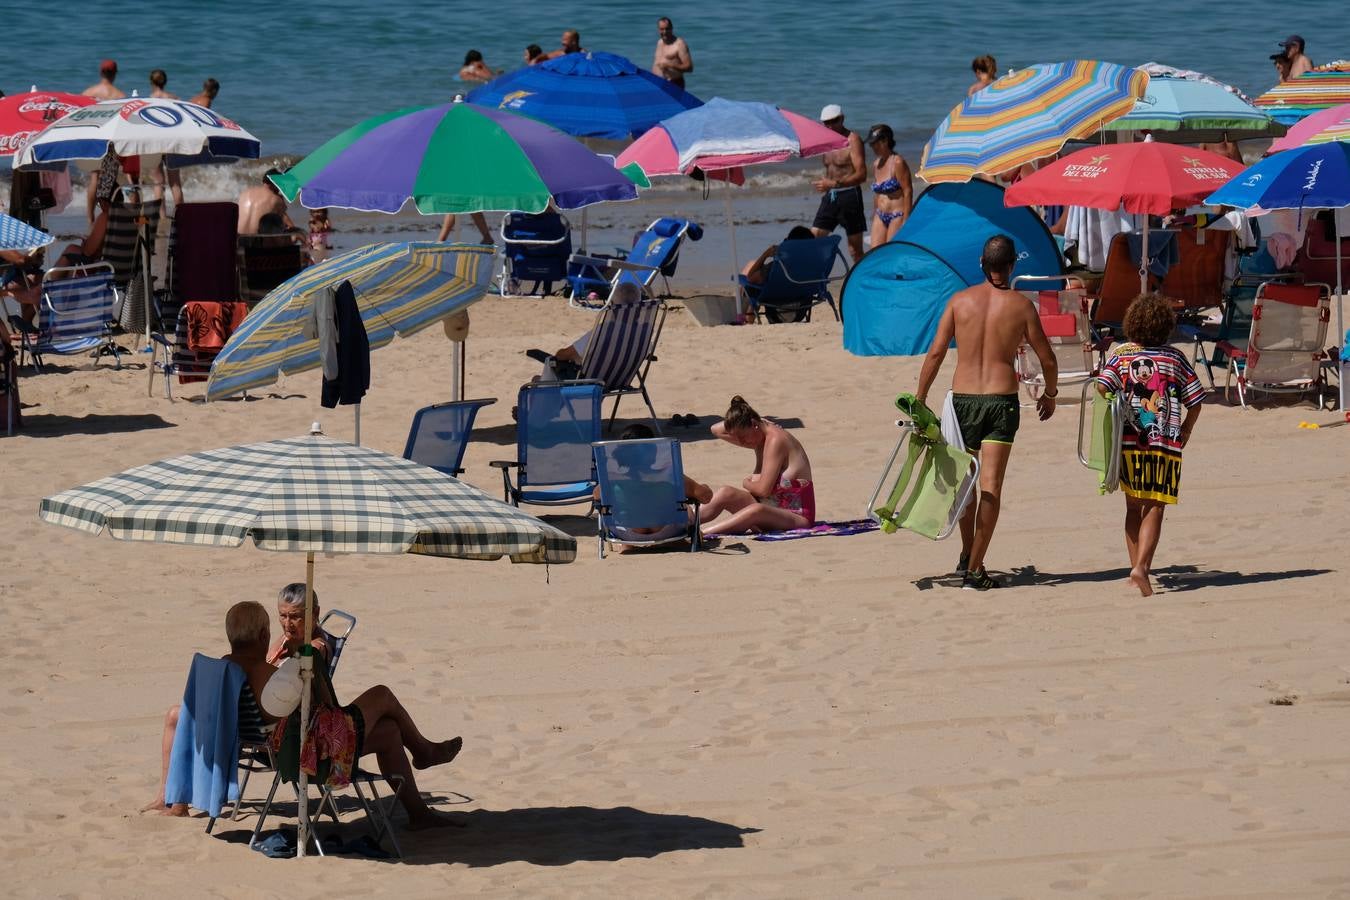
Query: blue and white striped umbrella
16	235
400	288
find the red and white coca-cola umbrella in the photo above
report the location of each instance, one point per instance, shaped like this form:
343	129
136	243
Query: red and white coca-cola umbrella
24	115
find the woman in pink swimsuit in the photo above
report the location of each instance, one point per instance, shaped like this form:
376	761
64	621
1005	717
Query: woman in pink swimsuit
778	495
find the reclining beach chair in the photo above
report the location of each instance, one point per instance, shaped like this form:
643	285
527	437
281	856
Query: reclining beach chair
128	243
1120	279
1102	420
935	480
656	252
440	434
1064	319
535	248
1196	281
557	421
621	347
1235	321
76	315
265	261
798	279
1285	352
642	498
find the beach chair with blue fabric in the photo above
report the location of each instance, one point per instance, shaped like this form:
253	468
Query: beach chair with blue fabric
536	248
642	496
557	421
440	434
76	315
656	252
621	348
798	279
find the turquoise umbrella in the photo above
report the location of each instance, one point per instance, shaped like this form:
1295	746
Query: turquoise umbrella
1172	104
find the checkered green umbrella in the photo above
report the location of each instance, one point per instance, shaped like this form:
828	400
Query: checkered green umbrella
307	494
310	495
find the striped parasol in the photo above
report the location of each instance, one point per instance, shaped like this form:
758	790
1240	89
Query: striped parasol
1029	115
18	235
400	288
309	495
1323	87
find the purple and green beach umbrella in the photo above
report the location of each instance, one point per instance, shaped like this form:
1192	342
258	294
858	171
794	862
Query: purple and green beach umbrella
454	158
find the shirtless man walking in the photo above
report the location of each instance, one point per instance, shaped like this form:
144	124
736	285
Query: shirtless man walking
845	171
105	89
989	322
672	61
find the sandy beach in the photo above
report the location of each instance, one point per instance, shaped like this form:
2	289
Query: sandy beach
811	718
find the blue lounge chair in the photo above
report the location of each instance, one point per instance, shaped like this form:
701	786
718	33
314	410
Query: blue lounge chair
642	497
798	279
557	423
76	315
440	434
656	252
535	248
622	346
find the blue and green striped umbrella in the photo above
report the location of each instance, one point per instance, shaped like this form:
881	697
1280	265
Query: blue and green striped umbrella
400	288
1173	104
1029	115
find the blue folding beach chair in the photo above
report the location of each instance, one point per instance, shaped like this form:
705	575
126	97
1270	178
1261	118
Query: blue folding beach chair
656	252
642	498
76	316
536	248
557	421
440	434
798	279
621	348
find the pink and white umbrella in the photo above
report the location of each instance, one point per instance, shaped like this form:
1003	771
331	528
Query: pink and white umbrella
722	136
1319	127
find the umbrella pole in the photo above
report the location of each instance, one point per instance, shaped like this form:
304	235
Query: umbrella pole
583	229
306	681
1340	313
735	257
357	440
1143	260
457	370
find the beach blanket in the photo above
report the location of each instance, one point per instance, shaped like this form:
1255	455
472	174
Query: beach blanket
821	529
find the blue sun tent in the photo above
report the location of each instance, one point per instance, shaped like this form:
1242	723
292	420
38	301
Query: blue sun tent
893	298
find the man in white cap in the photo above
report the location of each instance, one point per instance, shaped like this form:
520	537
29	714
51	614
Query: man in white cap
845	171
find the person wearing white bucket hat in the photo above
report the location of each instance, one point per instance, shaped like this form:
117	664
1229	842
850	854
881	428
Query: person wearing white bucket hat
845	171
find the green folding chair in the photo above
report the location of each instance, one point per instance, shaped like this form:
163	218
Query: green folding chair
934	482
1102	420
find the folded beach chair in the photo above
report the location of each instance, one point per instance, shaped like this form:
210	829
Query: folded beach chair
935	480
642	498
1286	350
798	279
1063	312
76	315
535	248
621	347
656	252
1102	420
440	434
265	261
557	421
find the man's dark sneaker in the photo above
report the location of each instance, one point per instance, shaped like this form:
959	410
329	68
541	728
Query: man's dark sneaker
978	580
962	563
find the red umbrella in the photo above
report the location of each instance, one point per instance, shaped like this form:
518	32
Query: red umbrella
1149	177
24	115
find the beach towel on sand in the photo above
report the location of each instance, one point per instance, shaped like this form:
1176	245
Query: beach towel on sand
203	765
821	529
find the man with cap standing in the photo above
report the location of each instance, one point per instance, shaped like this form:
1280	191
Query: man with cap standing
1298	60
105	89
845	171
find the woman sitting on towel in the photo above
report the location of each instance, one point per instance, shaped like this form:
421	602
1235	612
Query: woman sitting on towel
778	495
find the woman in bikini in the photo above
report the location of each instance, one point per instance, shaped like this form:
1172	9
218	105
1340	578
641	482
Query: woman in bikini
779	495
892	186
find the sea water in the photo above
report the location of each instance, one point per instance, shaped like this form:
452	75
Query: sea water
296	74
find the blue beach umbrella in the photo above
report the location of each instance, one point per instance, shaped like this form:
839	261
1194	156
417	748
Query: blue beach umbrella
1314	176
1173	105
596	95
17	235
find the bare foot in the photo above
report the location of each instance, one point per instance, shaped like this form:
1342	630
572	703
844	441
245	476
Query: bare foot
1140	580
154	805
440	754
178	811
431	819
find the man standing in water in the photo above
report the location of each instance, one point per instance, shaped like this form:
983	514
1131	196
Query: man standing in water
989	321
845	171
105	89
672	61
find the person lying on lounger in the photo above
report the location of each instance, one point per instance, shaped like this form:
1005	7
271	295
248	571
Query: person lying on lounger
380	723
779	495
